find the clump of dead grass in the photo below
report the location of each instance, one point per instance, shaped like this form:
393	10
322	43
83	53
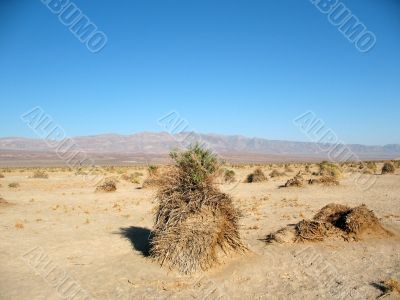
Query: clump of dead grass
333	221
133	178
390	287
195	222
388	168
329	169
1	175
229	176
257	176
276	173
328	180
108	185
296	181
13	185
40	174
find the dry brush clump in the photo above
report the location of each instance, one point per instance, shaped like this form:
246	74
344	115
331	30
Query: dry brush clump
324	180
257	176
133	177
14	185
195	222
276	173
108	185
296	181
388	168
390	287
371	165
333	221
1	175
229	176
153	177
40	174
329	169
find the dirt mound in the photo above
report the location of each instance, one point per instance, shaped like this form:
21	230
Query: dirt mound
333	221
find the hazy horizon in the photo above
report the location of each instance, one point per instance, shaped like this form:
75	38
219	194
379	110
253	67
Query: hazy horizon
225	67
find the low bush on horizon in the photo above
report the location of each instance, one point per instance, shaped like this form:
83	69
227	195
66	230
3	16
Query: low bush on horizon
257	176
40	174
388	168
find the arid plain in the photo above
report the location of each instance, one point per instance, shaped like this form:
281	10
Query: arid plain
62	238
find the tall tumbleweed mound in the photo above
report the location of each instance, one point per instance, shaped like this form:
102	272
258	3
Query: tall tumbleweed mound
333	221
195	222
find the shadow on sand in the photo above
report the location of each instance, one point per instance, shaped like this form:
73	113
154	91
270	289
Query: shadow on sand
139	237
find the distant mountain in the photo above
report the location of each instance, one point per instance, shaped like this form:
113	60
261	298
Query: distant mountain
160	143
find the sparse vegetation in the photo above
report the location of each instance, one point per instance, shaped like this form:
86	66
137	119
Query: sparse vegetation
371	165
109	185
133	178
389	287
152	169
257	176
288	168
40	174
276	173
388	168
329	169
194	220
1	175
14	185
297	181
229	176
334	221
329	180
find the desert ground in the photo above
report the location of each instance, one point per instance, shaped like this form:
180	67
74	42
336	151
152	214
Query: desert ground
60	239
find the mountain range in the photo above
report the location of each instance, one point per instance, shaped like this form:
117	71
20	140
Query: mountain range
159	144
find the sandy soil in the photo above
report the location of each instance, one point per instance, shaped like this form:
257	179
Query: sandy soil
61	240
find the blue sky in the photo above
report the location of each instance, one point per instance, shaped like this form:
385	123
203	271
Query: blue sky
230	67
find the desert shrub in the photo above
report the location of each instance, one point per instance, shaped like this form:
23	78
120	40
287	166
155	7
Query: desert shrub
80	171
371	165
329	169
108	185
194	220
152	169
396	163
276	173
333	221
14	185
257	176
133	178
40	174
390	287
297	181
229	176
1	175
329	180
388	168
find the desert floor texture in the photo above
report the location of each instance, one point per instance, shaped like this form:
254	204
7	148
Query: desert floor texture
62	240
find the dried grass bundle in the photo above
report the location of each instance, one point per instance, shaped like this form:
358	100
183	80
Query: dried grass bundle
194	220
257	176
334	221
297	181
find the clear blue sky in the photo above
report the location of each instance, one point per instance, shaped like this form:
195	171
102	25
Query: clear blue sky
230	67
